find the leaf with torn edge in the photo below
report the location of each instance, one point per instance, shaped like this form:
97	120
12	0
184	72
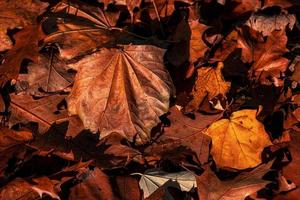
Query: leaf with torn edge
123	91
210	82
238	142
151	181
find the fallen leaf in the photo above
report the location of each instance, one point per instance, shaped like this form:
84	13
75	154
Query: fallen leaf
126	94
128	188
15	14
11	143
17	189
238	142
96	186
186	134
267	24
210	83
198	47
26	46
45	186
210	187
151	181
46	76
77	37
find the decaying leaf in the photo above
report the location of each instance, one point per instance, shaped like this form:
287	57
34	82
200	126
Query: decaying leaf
151	181
210	187
238	142
123	91
210	83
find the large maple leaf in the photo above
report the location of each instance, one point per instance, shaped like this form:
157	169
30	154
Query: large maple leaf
239	141
123	91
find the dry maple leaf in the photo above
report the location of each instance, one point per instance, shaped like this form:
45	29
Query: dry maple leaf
211	188
239	141
210	83
16	14
123	91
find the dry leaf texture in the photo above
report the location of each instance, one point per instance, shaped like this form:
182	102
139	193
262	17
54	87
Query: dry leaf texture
123	91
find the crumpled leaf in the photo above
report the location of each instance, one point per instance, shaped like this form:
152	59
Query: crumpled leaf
267	24
238	142
123	91
16	14
211	188
210	83
151	181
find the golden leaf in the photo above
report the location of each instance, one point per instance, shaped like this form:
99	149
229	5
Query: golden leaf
210	82
239	141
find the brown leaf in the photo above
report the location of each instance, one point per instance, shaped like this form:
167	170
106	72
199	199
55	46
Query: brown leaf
15	14
211	188
17	189
26	47
198	48
11	144
164	8
126	94
95	186
184	134
45	110
45	186
48	75
128	188
211	83
75	36
244	6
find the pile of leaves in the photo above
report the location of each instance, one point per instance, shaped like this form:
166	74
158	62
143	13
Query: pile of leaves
149	99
